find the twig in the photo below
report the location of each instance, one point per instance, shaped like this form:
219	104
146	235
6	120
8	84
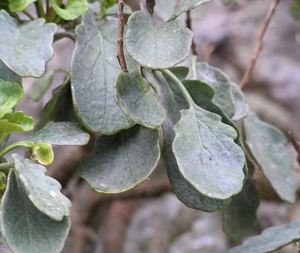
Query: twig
150	6
259	43
188	22
296	144
121	56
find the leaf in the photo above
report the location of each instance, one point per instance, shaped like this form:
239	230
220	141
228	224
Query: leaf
41	86
271	239
156	47
268	145
185	191
186	5
43	191
239	217
205	151
16	122
25	228
295	9
3	245
43	153
71	10
61	133
138	100
19	5
94	74
180	72
104	5
59	108
8	75
122	161
29	47
220	83
10	94
241	106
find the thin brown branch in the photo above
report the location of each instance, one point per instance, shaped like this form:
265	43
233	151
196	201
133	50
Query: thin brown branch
121	56
259	43
150	6
188	22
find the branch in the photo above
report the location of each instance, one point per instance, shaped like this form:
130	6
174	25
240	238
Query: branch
259	43
121	56
150	6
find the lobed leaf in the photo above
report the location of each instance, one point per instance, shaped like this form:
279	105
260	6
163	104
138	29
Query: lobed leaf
122	161
156	47
24	227
29	47
138	100
271	239
268	145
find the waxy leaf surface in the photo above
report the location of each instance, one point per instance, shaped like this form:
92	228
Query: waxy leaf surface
94	74
122	161
270	240
24	227
43	191
138	100
186	5
26	47
156	47
268	145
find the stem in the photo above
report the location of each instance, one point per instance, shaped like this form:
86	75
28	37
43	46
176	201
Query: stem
41	11
259	43
20	144
62	35
4	167
189	26
180	86
150	6
121	56
28	15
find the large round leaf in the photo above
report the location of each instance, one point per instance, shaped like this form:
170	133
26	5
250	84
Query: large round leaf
122	161
156	46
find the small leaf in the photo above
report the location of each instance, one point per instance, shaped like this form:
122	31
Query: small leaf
43	153
19	5
25	228
268	146
61	133
29	47
122	161
271	239
41	86
185	191
43	191
220	83
241	106
10	94
138	100
71	10
186	5
239	217
161	47
94	74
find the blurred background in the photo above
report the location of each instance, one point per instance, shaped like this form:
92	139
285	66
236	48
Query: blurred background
150	219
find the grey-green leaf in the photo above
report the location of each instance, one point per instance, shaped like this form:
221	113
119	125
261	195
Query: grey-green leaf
239	217
156	47
186	5
122	161
29	47
61	133
94	73
268	146
242	109
270	240
185	191
220	83
8	75
138	100
4	248
43	191
24	227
